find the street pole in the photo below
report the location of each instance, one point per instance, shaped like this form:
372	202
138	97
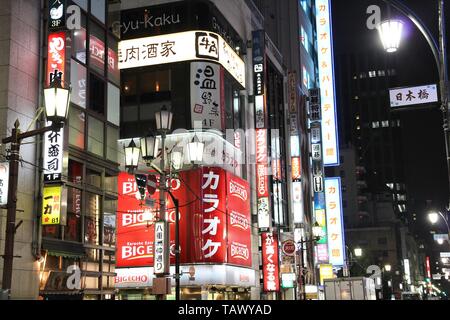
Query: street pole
177	250
11	211
302	268
162	205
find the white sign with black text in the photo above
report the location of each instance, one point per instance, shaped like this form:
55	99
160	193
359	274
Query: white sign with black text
161	263
53	155
4	180
413	95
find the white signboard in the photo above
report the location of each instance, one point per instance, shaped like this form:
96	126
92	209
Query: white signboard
191	275
335	227
445	254
326	80
407	271
53	155
413	95
161	263
182	46
316	151
4	180
298	201
206	101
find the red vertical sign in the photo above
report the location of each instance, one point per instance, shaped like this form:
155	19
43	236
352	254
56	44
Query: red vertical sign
239	221
262	181
270	261
56	53
428	267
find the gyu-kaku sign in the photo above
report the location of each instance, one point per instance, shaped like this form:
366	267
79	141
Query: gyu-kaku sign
402	97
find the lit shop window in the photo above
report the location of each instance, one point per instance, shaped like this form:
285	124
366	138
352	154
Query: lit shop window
91	219
97	48
109	222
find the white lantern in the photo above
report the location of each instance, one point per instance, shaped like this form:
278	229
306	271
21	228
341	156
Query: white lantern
131	157
195	150
149	147
433	217
390	32
57	101
164	119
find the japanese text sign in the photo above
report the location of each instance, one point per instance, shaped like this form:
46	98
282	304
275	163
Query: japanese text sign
56	55
53	155
326	80
270	262
182	46
334	221
413	95
51	205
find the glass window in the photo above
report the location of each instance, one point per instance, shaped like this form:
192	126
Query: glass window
109	222
79	41
304	39
97	48
75	171
110	183
92	218
95	136
94	178
113	63
51	231
112	135
78	82
81	3
98	9
73	228
113	104
76	128
97	94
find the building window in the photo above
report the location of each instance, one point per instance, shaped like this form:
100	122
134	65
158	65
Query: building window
98	9
72	231
81	3
113	62
113	104
112	135
109	222
97	48
78	83
91	219
304	39
372	74
96	94
79	41
76	128
95	136
382	241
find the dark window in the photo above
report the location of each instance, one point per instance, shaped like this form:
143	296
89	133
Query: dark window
72	231
382	241
97	94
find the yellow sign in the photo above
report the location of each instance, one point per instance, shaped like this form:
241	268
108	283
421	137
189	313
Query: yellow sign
51	205
326	272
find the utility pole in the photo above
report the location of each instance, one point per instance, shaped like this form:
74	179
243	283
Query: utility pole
11	211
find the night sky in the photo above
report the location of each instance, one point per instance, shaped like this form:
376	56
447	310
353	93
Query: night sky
423	139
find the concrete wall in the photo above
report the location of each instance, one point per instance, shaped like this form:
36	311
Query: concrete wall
19	65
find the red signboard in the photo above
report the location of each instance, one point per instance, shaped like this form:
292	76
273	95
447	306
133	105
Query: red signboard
239	221
428	267
262	180
203	220
56	53
270	261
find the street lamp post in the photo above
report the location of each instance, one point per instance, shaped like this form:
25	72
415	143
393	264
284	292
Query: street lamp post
317	234
149	147
390	32
57	100
433	217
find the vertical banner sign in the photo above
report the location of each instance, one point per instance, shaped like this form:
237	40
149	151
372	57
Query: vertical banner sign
335	228
298	201
56	16
259	77
326	79
4	180
51	205
206	102
53	155
325	272
160	262
239	221
56	55
262	179
270	262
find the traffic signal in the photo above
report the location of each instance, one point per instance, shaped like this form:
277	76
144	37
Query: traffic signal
141	181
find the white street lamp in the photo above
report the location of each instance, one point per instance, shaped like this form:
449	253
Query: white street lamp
440	241
317	230
387	267
195	150
131	157
163	119
177	160
390	32
57	101
358	252
149	147
433	217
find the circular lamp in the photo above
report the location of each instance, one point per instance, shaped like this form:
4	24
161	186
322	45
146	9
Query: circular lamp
390	32
57	101
433	217
131	157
